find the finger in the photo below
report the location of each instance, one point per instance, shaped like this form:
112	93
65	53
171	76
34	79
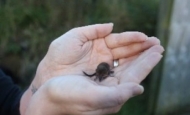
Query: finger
115	95
94	31
133	49
137	72
126	61
157	48
123	39
134	60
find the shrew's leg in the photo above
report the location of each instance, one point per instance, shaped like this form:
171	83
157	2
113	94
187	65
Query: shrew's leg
95	78
111	72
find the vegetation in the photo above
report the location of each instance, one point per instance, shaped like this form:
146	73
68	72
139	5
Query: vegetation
28	26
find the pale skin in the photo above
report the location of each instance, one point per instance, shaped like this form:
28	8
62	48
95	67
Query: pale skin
73	93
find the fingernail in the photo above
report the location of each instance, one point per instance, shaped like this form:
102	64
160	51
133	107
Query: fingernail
111	23
153	37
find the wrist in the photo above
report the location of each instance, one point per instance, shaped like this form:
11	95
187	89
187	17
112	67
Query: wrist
40	103
25	99
44	72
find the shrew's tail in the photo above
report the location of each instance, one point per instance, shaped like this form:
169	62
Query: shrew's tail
88	74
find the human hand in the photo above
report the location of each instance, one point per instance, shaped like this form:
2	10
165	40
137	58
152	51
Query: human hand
83	48
74	51
79	95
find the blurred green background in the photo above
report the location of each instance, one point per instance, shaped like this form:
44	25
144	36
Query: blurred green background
27	27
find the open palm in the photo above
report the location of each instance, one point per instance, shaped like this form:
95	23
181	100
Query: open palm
83	48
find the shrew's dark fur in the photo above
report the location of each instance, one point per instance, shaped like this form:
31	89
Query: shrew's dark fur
102	71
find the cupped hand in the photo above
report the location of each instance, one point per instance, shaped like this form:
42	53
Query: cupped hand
79	95
83	48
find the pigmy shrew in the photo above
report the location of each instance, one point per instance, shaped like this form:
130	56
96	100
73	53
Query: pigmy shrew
102	71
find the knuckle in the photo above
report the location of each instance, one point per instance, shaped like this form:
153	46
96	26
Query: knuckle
148	67
116	109
119	99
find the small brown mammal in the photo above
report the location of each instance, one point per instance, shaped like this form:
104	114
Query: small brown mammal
102	71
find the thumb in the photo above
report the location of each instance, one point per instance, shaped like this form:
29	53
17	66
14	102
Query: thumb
118	95
95	31
128	90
